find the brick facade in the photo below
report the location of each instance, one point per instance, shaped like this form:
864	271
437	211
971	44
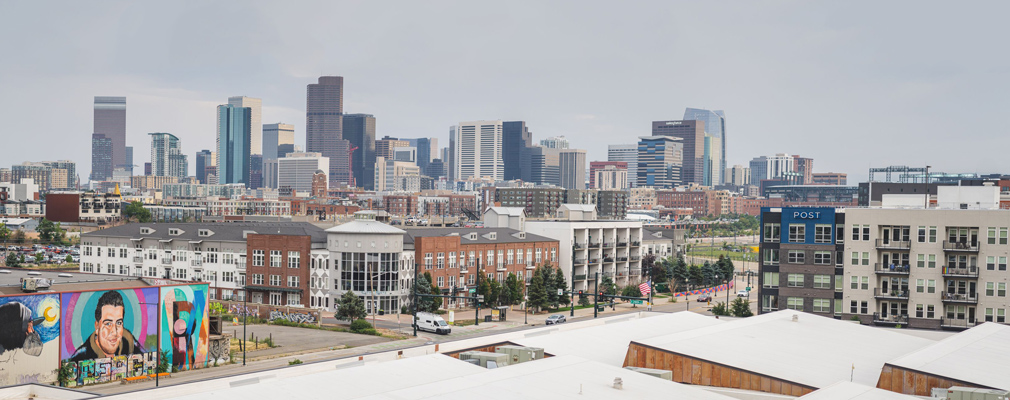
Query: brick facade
278	277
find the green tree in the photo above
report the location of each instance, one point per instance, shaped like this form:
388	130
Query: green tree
18	236
708	273
562	284
39	257
607	286
436	302
696	278
484	289
494	295
515	289
13	260
680	275
5	233
537	291
550	286
720	309
652	269
136	211
631	291
49	232
351	307
726	268
69	258
426	304
583	300
740	307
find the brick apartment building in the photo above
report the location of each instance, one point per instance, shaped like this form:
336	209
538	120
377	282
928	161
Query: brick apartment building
278	269
400	205
451	255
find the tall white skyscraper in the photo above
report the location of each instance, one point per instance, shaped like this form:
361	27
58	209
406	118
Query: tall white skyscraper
296	170
555	142
278	139
477	150
255	123
629	154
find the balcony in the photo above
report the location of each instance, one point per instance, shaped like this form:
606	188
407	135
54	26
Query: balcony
636	244
890	295
622	259
891	269
138	259
956	323
636	258
580	261
580	245
581	277
463	270
501	269
196	263
608	245
636	272
597	244
240	265
959	298
608	274
622	244
531	267
594	260
166	261
891	320
962	246
608	259
893	244
954	272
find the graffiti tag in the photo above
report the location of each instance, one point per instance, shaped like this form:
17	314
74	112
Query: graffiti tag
101	370
239	310
293	317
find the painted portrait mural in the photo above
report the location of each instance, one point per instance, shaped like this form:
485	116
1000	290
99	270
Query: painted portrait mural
29	338
185	325
109	335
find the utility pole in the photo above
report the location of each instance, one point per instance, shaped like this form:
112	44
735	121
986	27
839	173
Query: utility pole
572	303
596	295
476	292
245	323
413	292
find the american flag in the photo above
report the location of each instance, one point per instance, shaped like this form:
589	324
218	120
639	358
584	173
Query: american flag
645	288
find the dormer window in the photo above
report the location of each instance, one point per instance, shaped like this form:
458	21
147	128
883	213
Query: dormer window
204	233
175	232
146	231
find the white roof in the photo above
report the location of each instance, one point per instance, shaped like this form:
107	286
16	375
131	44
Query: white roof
580	207
978	355
510	211
14	221
814	351
854	391
609	343
365	226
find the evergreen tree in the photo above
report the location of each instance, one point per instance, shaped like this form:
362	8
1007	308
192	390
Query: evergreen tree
485	290
607	286
652	269
550	285
740	308
436	302
537	291
562	284
680	275
494	294
516	289
708	273
351	307
696	278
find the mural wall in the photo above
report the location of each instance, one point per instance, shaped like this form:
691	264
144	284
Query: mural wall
185	325
29	339
109	335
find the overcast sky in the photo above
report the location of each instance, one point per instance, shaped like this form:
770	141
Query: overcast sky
852	84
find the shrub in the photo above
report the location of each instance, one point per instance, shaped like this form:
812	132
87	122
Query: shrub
294	362
720	309
360	325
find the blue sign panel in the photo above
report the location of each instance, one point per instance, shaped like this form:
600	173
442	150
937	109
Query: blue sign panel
808	216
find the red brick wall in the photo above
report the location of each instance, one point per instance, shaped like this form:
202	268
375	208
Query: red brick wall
447	244
284	243
64	207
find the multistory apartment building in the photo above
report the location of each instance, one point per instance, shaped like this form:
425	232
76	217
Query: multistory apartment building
612	204
922	268
660	161
368	258
605	175
217	207
64	175
170	190
737	175
641	198
295	170
555	142
609	248
458	258
166	156
477	150
400	205
538	202
40	173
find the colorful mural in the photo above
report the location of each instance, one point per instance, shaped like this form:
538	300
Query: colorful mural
185	325
29	338
109	335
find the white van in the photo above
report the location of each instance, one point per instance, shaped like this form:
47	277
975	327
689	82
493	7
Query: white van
432	323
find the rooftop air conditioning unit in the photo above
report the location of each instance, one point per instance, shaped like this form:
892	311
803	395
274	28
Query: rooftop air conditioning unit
483	357
967	393
658	373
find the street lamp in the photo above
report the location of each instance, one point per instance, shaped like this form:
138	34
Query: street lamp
157	347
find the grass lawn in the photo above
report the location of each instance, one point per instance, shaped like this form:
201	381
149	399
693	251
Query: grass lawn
714	254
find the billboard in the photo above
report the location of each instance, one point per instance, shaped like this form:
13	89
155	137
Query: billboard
29	338
109	335
185	325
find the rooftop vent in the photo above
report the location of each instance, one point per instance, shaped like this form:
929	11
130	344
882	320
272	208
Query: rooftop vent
796	318
618	383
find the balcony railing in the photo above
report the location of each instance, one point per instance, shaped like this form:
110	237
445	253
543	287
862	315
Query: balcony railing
463	270
594	244
608	259
636	272
891	294
138	259
608	274
954	272
622	259
893	244
166	261
581	277
622	244
580	261
580	245
636	258
959	298
957	323
891	269
635	244
594	260
608	245
241	265
196	263
890	320
966	246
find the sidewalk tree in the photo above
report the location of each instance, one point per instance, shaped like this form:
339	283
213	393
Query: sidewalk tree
537	291
436	302
740	307
136	211
720	309
550	285
423	286
484	289
562	284
350	308
5	232
631	291
652	269
583	300
516	289
607	286
680	276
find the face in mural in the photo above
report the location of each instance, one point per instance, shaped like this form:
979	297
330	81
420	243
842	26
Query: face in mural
110	337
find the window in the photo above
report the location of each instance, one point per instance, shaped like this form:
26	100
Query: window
794	303
257	258
931	260
853	307
822	233
427	260
932	234
228	258
920	285
771	280
490	258
822	257
470	279
990	263
538	256
1001	315
822	305
293	281
294	259
838	305
930	311
441	281
991	240
921	236
257	279
920	260
275	280
822	281
866	258
866	233
865	283
1002	264
864	307
797	233
452	259
772	233
855	258
501	259
510	259
519	256
275	258
554	254
855	232
529	256
452	281
795	280
796	256
930	286
441	261
228	276
854	282
771	256
1001	289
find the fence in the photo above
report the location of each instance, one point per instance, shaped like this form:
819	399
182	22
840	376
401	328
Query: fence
269	312
713	289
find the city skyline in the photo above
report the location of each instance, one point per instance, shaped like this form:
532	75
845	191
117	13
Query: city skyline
828	75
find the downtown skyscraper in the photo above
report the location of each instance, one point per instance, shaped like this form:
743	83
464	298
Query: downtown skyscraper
166	156
477	150
256	120
233	144
359	130
324	127
516	142
715	125
110	123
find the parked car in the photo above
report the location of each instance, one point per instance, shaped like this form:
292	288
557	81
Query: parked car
743	293
705	298
555	319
